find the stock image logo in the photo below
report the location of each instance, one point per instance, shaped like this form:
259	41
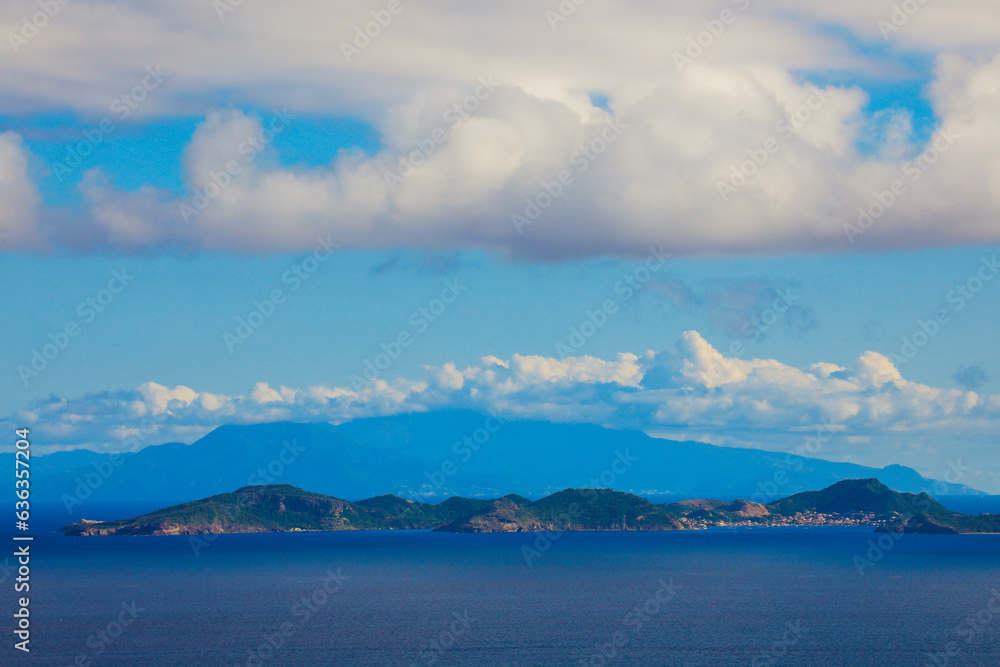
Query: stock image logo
572	332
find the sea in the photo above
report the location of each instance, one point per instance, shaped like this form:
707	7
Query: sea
759	597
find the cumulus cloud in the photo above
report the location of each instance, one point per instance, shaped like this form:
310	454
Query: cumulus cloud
682	132
19	213
688	391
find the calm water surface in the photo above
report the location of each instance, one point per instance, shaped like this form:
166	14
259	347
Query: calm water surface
754	597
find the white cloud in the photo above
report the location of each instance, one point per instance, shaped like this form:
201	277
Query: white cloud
657	184
875	370
262	393
19	212
689	391
155	398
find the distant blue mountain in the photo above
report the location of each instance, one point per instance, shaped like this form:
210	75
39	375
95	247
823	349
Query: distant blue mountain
226	459
535	458
430	456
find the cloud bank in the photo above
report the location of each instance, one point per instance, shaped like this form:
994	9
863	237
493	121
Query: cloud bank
689	391
491	136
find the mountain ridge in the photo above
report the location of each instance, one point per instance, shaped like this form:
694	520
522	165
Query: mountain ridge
430	456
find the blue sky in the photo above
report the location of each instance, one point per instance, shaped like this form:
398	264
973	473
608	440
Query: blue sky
149	153
418	156
168	325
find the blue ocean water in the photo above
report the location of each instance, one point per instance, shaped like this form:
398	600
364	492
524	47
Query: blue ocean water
780	596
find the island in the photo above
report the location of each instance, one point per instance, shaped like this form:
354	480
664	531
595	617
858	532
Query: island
285	508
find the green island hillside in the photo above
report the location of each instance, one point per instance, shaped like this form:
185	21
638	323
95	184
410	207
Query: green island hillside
286	508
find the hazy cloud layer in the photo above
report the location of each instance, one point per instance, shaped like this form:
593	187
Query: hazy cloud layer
645	170
741	307
690	391
971	377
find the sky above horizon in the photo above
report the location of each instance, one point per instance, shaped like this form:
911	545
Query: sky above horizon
742	222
